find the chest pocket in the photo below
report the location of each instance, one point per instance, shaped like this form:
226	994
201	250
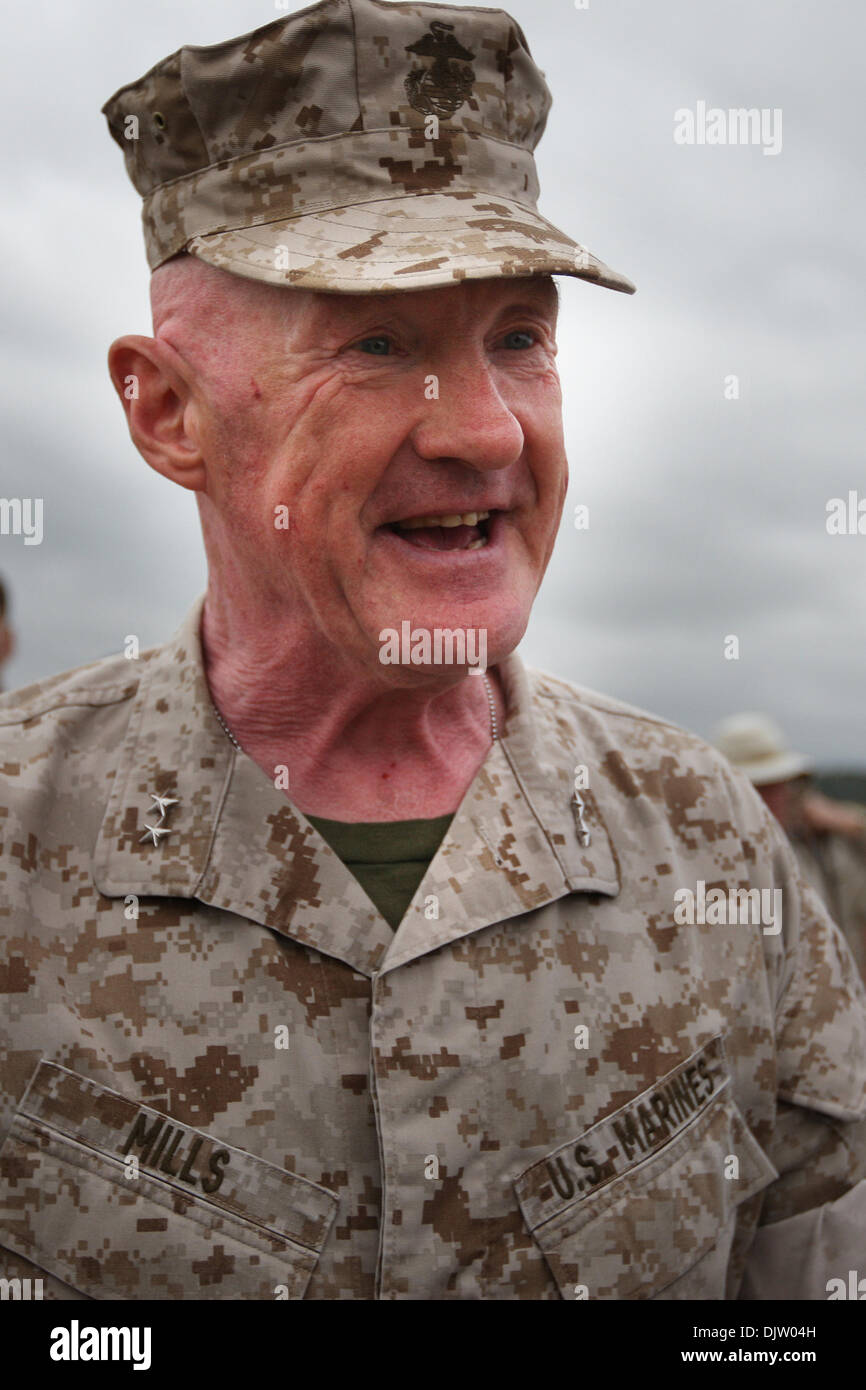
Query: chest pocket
643	1205
118	1201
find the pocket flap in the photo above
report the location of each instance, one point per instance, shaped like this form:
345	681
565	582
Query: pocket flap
120	1201
651	1191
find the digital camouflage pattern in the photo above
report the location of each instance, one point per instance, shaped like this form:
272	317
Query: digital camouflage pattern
222	1075
835	865
354	146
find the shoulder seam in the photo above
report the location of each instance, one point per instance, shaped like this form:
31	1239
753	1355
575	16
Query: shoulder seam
593	700
98	698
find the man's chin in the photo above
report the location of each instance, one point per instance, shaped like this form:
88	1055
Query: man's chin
427	608
445	644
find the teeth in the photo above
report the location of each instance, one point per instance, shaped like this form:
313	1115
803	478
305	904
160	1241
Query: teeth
476	545
451	519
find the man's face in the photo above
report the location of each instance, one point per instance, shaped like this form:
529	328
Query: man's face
359	416
781	797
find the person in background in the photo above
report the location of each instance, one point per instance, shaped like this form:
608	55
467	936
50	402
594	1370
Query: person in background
828	837
7	636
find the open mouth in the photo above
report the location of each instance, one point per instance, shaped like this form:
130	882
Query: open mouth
446	531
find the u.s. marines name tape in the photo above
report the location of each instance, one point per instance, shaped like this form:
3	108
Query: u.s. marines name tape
625	1137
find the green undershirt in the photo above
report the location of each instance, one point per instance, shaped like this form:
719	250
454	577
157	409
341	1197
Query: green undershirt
388	858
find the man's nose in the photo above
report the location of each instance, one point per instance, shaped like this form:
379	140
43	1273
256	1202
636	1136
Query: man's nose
466	418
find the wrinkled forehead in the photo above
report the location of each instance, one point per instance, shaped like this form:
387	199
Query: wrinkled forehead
189	286
466	301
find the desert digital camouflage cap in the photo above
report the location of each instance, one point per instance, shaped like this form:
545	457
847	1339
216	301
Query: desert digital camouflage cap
354	146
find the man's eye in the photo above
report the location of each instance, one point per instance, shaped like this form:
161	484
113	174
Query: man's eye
377	346
521	333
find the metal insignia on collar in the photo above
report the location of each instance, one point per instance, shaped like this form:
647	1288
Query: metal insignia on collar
161	804
582	829
154	831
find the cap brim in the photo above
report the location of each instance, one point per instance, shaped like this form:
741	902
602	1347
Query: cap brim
405	243
781	768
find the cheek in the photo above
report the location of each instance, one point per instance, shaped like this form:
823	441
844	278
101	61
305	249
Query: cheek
339	458
550	472
540	416
235	431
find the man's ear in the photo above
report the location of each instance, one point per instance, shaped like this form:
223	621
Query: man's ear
159	411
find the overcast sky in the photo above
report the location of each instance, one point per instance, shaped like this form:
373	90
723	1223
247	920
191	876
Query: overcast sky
707	515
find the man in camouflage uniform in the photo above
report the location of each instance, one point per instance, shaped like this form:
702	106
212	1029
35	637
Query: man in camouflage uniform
828	837
334	977
829	840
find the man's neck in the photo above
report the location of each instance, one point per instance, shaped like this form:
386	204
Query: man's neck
351	748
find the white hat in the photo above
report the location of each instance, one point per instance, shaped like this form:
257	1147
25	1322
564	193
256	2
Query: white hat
756	745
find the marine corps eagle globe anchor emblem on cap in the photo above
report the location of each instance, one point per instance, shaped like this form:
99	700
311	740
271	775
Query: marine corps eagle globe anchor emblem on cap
441	88
304	154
